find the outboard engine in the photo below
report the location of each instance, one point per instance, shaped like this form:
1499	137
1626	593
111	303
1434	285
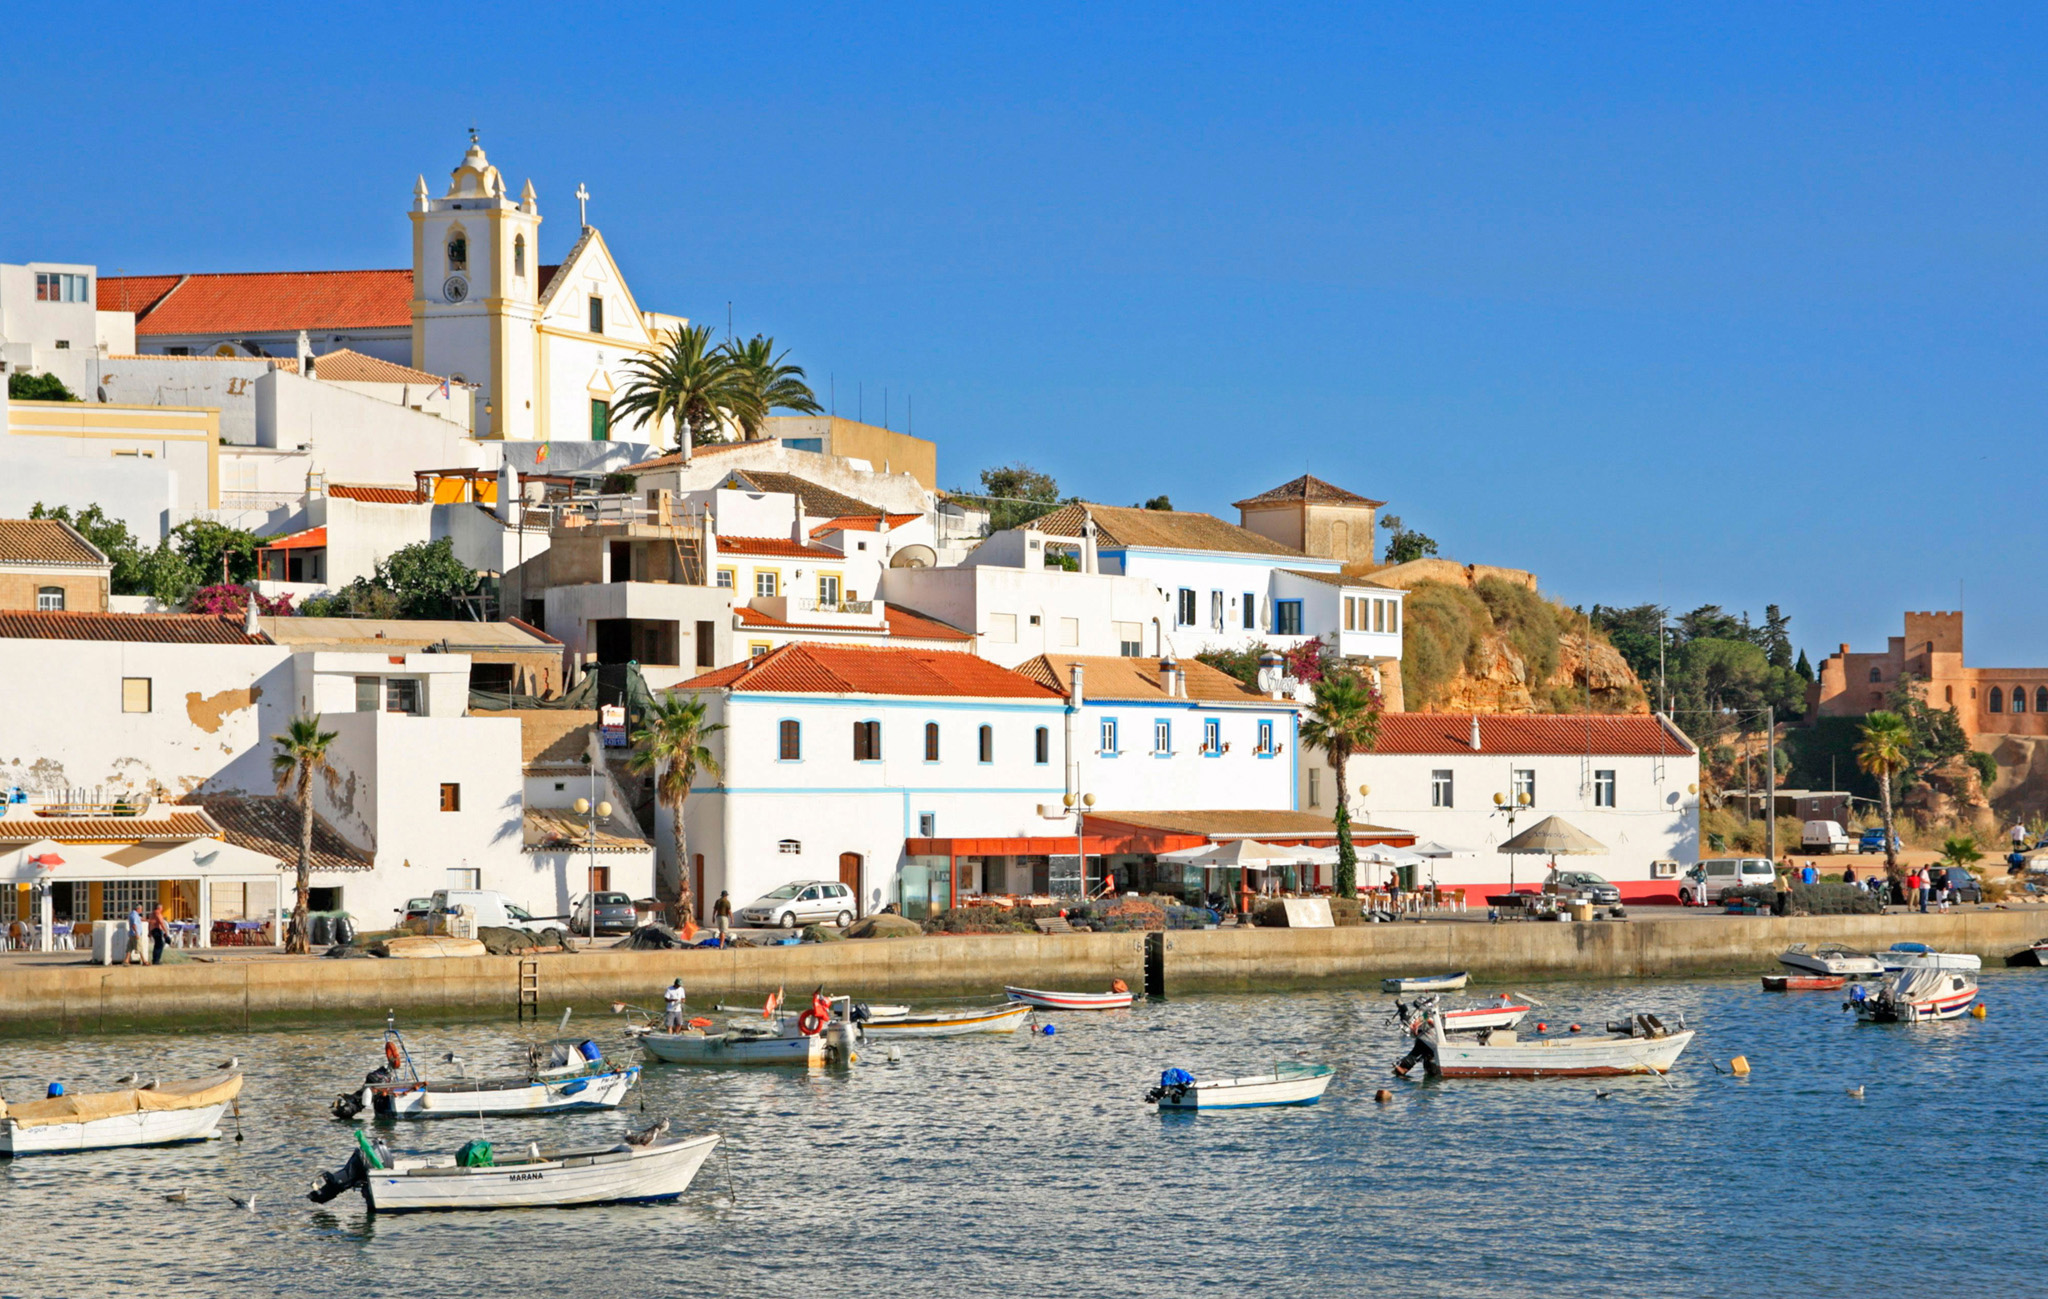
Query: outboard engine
349	1104
346	1178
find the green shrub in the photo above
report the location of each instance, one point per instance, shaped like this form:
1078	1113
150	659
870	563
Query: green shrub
1528	621
1446	625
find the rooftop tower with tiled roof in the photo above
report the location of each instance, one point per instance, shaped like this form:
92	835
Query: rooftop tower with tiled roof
1318	518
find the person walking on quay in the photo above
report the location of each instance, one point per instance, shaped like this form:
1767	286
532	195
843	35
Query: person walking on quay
672	997
721	914
134	953
159	934
1808	875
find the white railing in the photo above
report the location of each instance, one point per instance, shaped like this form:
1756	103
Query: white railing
834	606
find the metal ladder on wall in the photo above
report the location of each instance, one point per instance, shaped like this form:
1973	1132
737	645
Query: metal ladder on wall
529	987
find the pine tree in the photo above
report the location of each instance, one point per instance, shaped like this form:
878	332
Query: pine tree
1803	668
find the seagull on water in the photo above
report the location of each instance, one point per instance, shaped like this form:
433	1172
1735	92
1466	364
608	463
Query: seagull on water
178	1196
240	1203
1856	1092
1601	1096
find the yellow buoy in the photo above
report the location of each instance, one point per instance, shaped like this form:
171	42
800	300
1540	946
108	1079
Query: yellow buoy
1739	1066
1978	1010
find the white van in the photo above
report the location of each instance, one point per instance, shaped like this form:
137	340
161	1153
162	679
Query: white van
1714	876
1824	837
493	910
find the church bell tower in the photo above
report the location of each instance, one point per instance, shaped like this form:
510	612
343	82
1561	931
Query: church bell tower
476	291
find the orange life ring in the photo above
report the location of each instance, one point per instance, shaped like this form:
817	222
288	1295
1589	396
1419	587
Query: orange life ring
391	1054
810	1023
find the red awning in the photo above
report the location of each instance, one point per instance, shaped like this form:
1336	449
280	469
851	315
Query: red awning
310	539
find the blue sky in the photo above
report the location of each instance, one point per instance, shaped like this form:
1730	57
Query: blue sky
1731	304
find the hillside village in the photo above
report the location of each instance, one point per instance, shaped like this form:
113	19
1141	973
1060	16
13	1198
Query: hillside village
482	522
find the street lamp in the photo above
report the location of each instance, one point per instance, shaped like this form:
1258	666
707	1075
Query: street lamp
602	810
1080	808
1512	806
1363	790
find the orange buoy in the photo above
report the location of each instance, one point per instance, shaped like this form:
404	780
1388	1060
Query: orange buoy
1383	1096
1575	1028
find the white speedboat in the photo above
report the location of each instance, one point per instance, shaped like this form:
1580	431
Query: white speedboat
1919	956
1640	1046
1914	997
1117	998
1427	983
1288	1084
1829	959
160	1115
625	1173
949	1023
555	1077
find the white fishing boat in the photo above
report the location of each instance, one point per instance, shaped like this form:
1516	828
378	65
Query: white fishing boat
1919	956
1638	1046
881	1008
1914	997
555	1077
822	1035
1117	998
625	1173
1427	983
950	1023
1288	1084
1502	1012
1829	959
159	1115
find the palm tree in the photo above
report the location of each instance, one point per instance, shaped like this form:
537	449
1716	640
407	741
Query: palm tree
689	381
1344	720
1883	751
670	744
301	752
771	384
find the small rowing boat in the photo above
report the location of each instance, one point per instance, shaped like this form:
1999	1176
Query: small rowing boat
1288	1084
1914	997
1117	998
1426	983
1803	982
476	1178
949	1023
1640	1045
160	1115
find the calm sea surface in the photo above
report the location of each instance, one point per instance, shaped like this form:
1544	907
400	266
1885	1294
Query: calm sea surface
1028	1166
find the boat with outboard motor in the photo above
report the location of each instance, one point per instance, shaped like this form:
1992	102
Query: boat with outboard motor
1639	1044
1288	1084
641	1169
1914	997
1829	959
1919	956
1117	998
556	1076
823	1035
157	1114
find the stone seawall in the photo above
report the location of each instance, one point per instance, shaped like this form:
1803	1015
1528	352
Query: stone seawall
44	999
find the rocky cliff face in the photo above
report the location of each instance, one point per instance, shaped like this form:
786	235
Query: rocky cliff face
1502	684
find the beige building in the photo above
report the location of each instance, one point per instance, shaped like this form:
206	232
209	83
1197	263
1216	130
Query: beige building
1314	517
45	564
1995	701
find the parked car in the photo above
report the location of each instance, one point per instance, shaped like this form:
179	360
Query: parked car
1824	837
1714	876
615	914
1584	885
1963	886
1873	841
805	902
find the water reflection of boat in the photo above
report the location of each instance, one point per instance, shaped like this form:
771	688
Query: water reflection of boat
159	1115
1641	1044
1914	997
1288	1084
558	1075
478	1178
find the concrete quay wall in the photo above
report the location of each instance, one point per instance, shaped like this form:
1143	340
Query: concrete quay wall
43	999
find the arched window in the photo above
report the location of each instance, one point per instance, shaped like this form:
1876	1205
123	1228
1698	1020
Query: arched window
1876	675
931	743
49	599
1995	701
988	744
458	251
519	254
2019	699
2041	699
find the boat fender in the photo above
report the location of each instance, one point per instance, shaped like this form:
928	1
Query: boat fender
1542	1027
1118	985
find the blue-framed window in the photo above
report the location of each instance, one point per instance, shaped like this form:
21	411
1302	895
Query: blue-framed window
1041	752
1109	749
1212	737
1162	737
789	740
985	740
867	741
1266	739
931	744
927	825
1287	618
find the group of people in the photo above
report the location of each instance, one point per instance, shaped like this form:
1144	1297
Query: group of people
151	932
1926	887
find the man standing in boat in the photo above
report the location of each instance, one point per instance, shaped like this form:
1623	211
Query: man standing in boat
672	997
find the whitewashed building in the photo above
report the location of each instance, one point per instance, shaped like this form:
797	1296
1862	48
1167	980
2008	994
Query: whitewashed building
1019	613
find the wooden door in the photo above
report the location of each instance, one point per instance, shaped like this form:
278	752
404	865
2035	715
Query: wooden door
849	875
600	879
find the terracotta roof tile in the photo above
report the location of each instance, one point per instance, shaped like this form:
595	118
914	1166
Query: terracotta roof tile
821	501
46	541
811	668
862	523
674	458
376	495
136	293
346	365
1307	489
130	628
896	621
1327	579
1546	734
108	829
269	824
774	547
1118	526
265	302
311	538
1138	678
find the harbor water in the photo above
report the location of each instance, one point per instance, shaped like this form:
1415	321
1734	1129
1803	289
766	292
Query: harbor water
1028	1165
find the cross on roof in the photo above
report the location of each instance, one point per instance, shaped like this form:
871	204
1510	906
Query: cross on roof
582	206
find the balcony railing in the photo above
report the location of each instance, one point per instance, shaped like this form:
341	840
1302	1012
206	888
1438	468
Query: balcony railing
834	606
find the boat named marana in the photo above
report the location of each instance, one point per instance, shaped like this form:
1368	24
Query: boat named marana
630	1172
160	1115
1642	1044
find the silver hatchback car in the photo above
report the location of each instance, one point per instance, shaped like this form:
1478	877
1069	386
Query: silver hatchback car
805	902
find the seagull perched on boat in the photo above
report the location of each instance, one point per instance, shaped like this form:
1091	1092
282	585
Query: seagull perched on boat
151	1085
647	1135
178	1196
240	1203
127	1079
233	1062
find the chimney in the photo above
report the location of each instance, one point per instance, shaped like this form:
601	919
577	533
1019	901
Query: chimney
1168	669
249	627
508	495
801	533
305	354
1475	732
711	550
1089	560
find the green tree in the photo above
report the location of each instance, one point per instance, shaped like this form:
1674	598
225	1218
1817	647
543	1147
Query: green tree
1775	640
427	578
1159	502
37	387
1986	767
1013	495
111	536
216	552
1402	544
690	383
670	745
1883	751
1803	669
1710	622
1961	850
1344	719
301	754
767	383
